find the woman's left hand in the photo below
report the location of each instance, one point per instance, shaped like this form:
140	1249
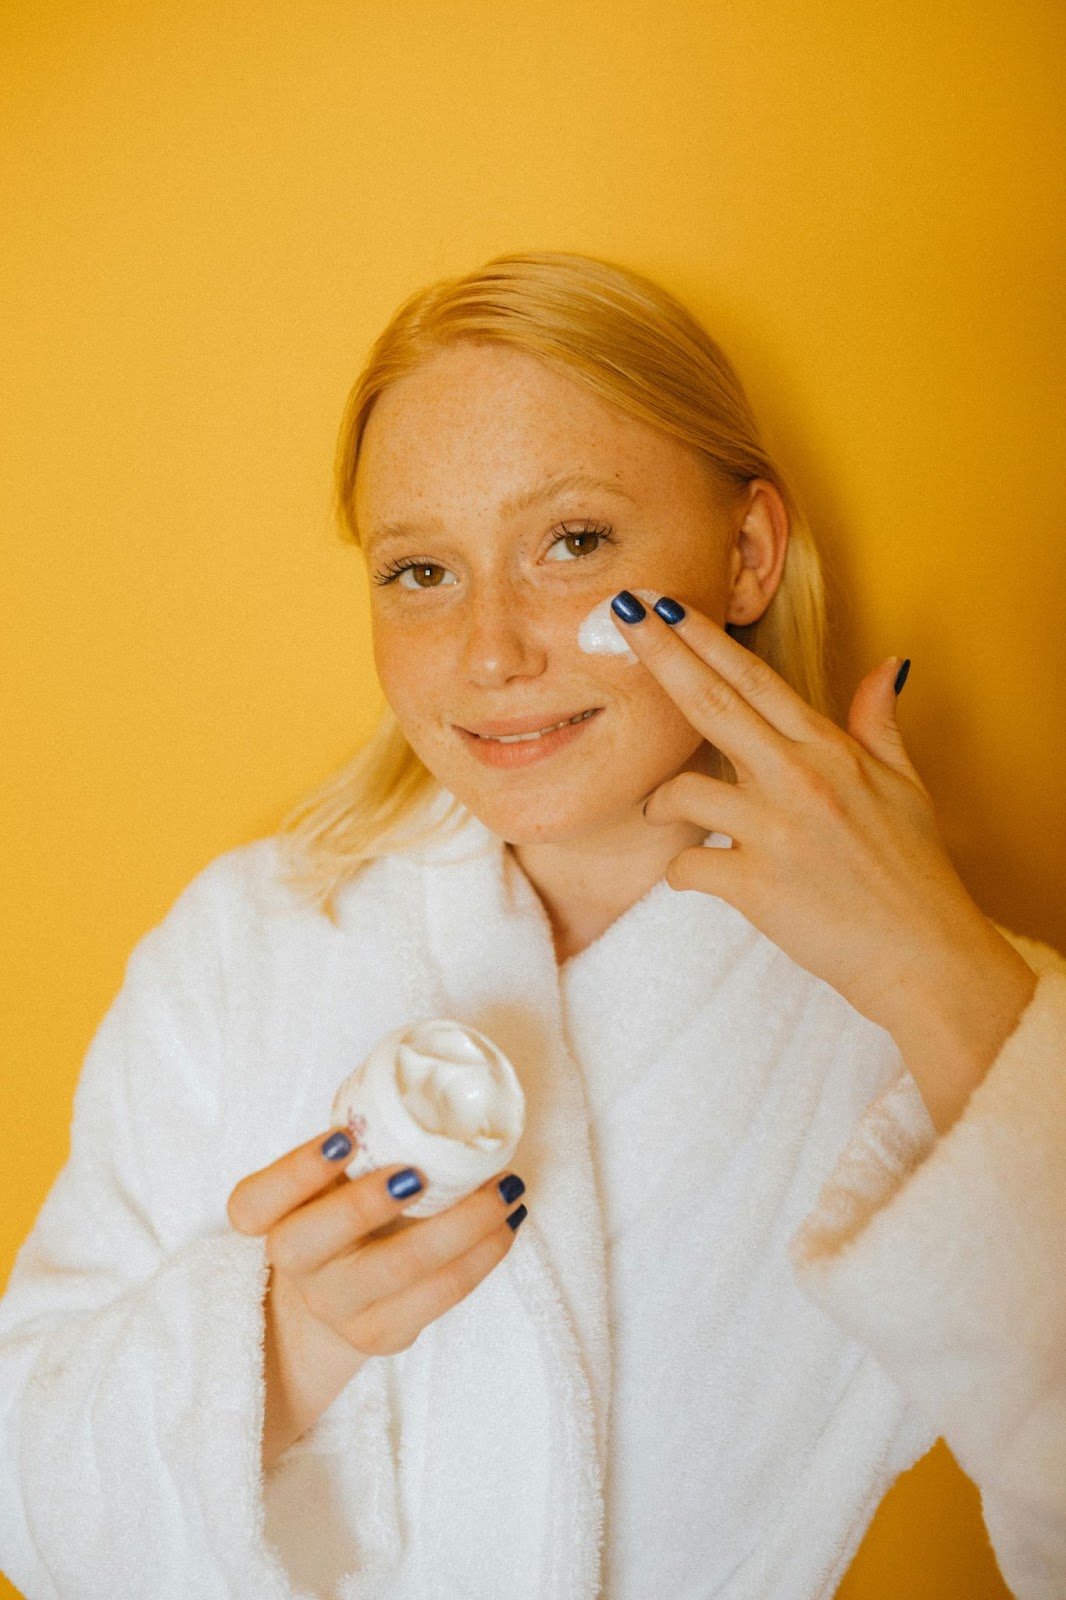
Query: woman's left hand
837	856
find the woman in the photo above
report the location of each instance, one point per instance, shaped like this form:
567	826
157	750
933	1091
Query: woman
795	1107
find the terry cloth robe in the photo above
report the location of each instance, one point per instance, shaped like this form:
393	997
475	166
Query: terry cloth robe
753	1286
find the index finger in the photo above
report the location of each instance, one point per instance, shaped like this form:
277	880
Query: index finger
731	696
261	1199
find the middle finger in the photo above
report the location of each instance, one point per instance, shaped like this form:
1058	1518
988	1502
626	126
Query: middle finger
390	1265
731	696
335	1221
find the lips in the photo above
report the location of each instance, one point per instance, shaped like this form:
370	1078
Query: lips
534	724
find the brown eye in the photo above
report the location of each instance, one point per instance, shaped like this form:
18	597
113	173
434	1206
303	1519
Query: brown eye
570	536
396	569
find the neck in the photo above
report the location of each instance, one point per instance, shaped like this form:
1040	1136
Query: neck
585	884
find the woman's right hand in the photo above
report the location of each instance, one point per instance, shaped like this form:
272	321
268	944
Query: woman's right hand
351	1277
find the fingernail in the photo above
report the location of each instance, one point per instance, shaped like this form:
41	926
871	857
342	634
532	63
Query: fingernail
516	1218
628	607
404	1183
670	610
337	1146
901	675
511	1187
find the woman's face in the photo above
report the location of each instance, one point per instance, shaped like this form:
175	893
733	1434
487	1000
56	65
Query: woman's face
483	624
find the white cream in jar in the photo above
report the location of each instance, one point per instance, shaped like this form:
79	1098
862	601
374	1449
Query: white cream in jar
437	1095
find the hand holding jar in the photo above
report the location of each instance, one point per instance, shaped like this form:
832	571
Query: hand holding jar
350	1275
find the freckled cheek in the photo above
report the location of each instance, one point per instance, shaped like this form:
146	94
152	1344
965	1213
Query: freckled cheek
665	730
418	668
404	669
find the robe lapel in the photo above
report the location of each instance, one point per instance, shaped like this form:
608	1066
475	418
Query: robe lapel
476	946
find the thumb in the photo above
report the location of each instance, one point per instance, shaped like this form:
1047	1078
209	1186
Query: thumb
872	718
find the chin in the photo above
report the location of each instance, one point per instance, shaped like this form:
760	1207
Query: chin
555	821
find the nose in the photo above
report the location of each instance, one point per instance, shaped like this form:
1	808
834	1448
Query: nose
503	637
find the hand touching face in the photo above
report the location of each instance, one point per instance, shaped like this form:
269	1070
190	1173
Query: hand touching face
836	852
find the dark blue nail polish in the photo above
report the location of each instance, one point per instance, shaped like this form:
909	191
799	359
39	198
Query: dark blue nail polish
404	1183
628	607
669	610
901	675
337	1146
511	1187
517	1218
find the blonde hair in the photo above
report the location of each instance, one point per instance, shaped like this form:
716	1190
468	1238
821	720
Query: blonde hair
633	344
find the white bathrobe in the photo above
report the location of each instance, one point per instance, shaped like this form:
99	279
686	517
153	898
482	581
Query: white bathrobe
753	1286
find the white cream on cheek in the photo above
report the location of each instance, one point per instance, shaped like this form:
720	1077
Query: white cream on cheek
599	635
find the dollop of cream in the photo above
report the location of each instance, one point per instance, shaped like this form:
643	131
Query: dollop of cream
437	1095
451	1084
598	633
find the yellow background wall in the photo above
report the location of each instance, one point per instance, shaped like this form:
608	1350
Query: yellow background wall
209	212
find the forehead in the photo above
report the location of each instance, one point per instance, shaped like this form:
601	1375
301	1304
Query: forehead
485	402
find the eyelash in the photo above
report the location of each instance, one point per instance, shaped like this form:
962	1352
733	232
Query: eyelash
392	571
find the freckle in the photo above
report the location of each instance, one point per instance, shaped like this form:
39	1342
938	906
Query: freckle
598	634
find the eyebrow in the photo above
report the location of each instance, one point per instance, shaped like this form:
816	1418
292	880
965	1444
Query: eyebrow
525	500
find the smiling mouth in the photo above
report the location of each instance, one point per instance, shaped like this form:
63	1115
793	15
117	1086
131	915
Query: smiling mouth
519	738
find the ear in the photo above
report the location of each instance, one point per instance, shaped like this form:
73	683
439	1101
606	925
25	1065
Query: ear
757	554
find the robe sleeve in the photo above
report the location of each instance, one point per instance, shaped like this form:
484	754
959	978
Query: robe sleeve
946	1258
131	1368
